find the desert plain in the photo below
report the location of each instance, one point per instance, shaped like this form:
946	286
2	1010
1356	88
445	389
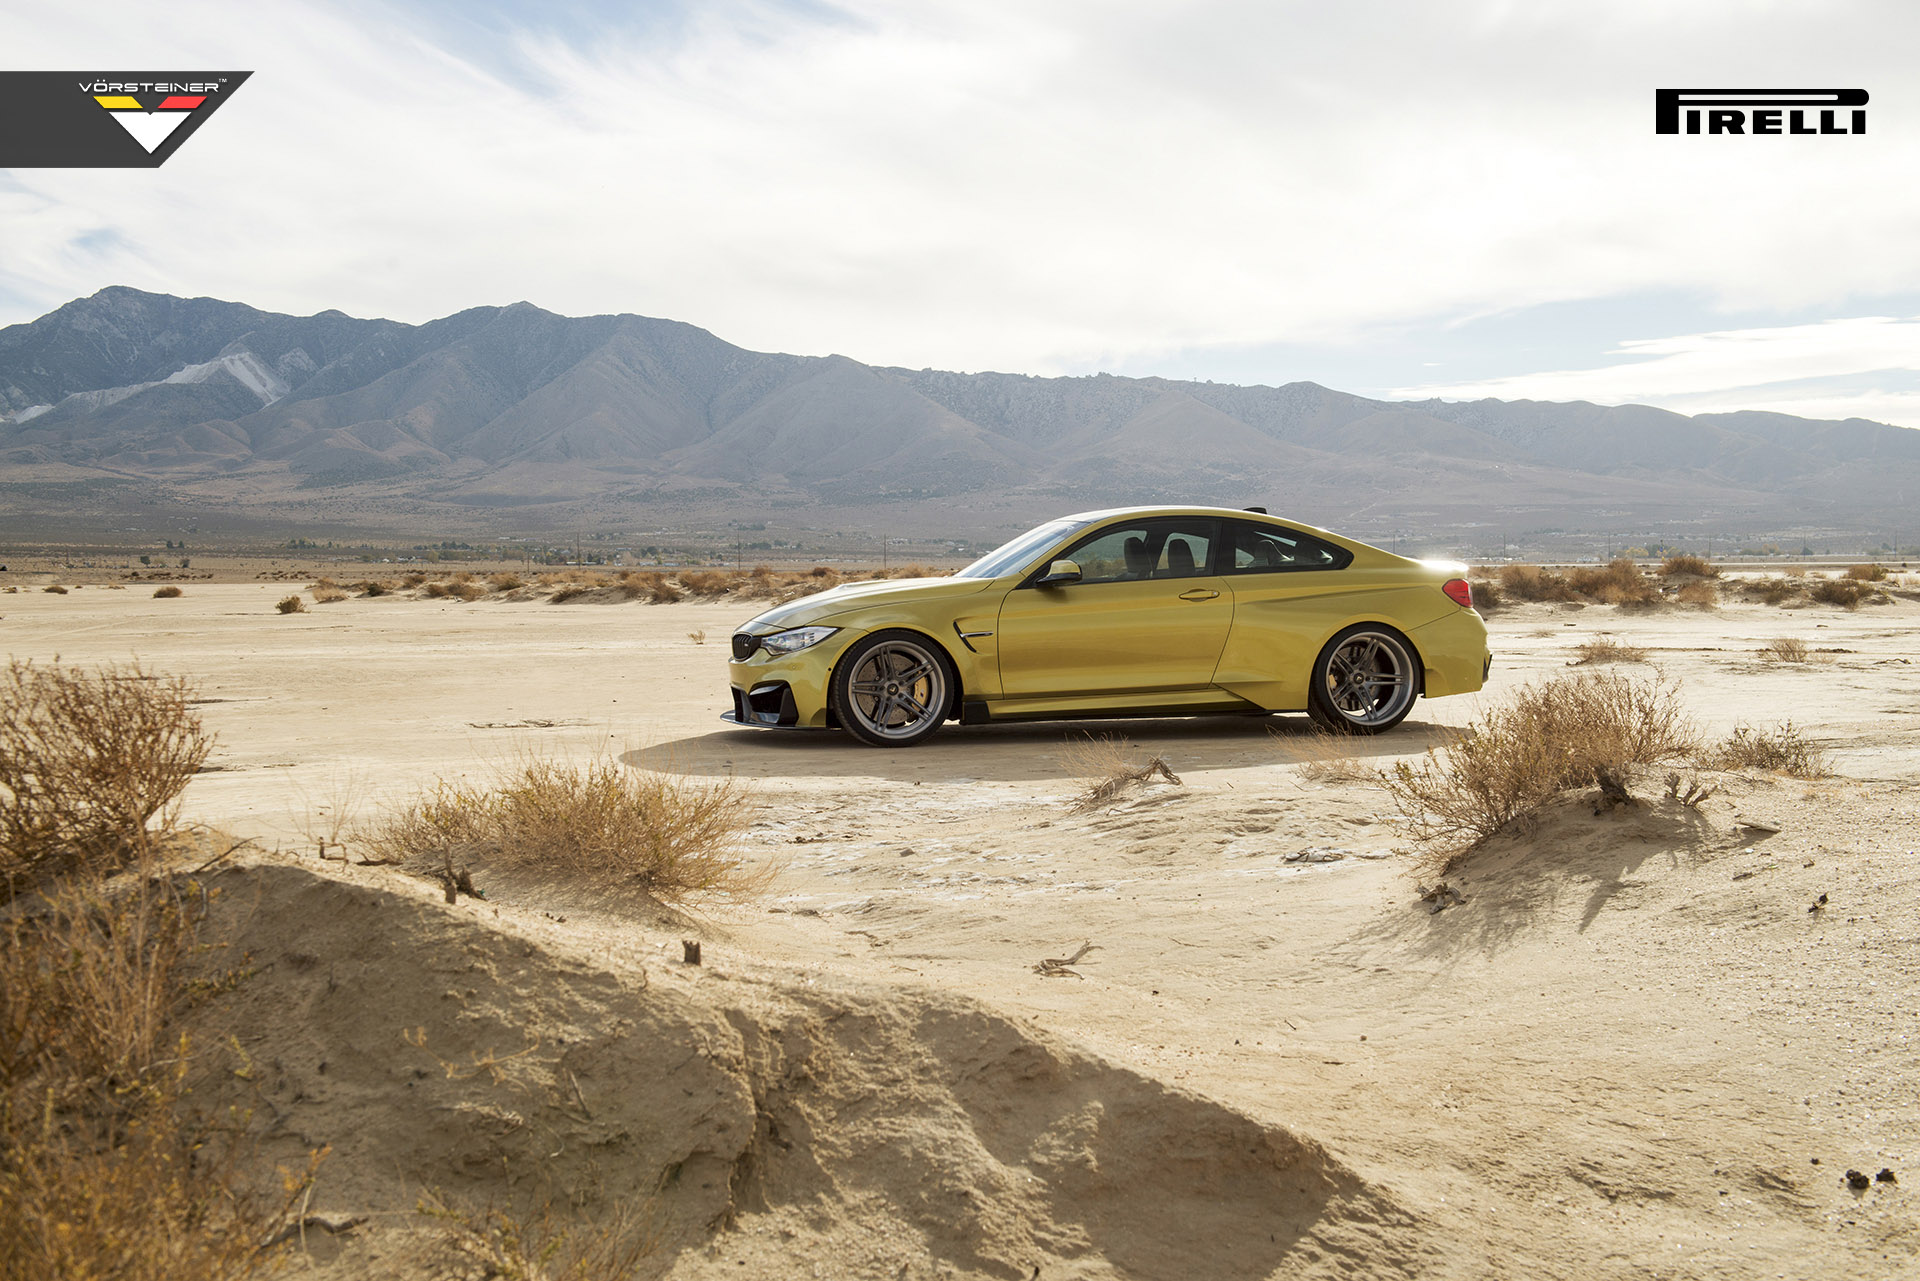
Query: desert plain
1642	1045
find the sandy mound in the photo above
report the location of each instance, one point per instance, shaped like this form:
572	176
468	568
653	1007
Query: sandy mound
783	1124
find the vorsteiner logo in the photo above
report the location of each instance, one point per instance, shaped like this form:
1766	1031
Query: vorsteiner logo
1811	111
95	120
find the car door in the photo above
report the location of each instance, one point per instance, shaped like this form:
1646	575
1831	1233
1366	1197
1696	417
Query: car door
1148	614
1291	591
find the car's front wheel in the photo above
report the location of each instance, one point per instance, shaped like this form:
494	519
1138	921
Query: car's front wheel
1364	681
892	689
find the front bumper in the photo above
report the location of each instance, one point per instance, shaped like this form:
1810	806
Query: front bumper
786	691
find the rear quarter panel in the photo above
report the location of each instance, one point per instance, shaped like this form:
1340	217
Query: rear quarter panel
1281	622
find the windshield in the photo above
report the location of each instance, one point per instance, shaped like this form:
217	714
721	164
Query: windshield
1014	555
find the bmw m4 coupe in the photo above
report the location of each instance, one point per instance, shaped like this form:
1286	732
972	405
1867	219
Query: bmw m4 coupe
1139	611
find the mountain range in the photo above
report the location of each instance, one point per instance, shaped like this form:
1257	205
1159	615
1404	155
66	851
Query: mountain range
561	419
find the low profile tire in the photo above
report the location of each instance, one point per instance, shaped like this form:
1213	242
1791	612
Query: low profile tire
892	689
1364	681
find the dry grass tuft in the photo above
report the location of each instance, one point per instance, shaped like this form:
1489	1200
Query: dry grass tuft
507	582
1574	732
1776	589
1107	768
167	593
1785	649
1784	751
1324	757
1867	573
1606	650
105	1170
1844	592
1688	566
545	1246
291	605
459	589
56	589
1702	593
698	638
1532	583
91	765
601	822
1618	582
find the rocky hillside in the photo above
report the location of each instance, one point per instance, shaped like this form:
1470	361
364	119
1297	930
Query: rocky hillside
518	407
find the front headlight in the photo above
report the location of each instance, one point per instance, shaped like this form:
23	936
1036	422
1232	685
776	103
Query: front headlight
799	638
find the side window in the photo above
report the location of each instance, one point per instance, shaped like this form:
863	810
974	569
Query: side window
1177	547
1265	549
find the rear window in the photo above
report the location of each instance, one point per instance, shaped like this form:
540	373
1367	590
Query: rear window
1273	549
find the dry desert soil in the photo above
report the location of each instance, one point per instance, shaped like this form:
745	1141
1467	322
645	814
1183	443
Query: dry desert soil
1632	1051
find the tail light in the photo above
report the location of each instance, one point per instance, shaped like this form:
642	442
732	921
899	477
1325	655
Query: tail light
1460	592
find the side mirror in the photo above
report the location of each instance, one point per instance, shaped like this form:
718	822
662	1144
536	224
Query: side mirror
1059	574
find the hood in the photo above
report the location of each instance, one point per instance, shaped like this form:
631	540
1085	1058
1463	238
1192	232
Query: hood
852	597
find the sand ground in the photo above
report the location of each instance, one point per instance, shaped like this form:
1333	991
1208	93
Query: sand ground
1633	1051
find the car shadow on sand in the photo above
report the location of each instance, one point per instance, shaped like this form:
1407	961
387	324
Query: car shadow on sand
1014	753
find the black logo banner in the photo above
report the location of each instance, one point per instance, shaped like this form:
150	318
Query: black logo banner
1755	111
105	119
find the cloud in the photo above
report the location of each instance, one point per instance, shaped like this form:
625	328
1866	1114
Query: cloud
1833	369
1034	186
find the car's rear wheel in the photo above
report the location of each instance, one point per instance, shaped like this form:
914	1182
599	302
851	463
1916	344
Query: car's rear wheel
1364	681
892	689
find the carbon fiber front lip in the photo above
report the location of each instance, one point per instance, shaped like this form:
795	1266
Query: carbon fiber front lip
733	719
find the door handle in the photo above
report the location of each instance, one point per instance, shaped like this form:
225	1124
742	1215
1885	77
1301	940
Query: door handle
1198	593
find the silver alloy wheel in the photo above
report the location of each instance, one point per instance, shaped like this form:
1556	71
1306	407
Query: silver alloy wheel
1369	679
897	690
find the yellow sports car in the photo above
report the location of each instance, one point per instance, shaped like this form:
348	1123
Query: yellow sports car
1139	611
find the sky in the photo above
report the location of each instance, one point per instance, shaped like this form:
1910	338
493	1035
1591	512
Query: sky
1452	198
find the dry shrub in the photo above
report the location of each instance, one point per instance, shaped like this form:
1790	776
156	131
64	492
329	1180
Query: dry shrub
1785	649
1702	593
1688	566
166	593
1774	590
371	587
1570	733
328	595
1487	594
1532	583
698	638
91	764
1618	582
460	589
1106	768
1327	758
1784	751
823	571
1606	650
105	1172
706	582
1867	573
1844	592
506	582
601	822
546	1246
413	579
650	584
56	589
291	605
572	591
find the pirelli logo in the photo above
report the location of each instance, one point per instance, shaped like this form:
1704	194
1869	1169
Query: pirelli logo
1745	111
